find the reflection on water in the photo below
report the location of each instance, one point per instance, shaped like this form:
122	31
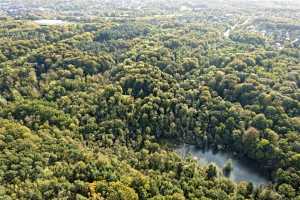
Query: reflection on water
242	170
50	22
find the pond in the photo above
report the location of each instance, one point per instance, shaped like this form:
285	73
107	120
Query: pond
50	22
243	170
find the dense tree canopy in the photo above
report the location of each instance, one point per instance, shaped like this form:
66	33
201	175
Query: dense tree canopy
88	109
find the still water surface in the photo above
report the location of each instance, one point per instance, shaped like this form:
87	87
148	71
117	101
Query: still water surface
242	170
50	22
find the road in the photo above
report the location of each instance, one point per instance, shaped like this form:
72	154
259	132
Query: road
232	28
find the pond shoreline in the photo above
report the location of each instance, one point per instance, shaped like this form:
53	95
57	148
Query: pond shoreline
244	169
263	175
172	144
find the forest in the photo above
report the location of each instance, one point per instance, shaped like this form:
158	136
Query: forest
96	95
